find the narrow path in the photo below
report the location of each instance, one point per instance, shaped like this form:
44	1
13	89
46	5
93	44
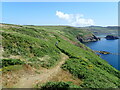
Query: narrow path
29	81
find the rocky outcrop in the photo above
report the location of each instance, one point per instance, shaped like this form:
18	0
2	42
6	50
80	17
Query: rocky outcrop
111	37
90	38
103	52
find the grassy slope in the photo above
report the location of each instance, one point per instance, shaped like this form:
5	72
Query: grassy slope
36	46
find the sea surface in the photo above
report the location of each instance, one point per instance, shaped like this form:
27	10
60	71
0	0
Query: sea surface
107	45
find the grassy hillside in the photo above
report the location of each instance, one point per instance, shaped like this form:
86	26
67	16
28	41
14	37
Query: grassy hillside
42	46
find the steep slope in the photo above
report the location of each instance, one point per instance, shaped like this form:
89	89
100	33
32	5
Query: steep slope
40	47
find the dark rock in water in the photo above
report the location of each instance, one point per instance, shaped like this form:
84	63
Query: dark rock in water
111	37
104	52
91	38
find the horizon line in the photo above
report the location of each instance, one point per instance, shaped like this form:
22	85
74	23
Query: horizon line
64	25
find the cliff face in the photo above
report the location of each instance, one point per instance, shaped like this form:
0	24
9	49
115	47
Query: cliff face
90	38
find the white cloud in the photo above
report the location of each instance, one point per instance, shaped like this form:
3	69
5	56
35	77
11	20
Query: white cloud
75	19
62	15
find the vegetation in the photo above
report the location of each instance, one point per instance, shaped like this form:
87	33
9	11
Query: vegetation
57	85
8	62
92	76
12	68
36	46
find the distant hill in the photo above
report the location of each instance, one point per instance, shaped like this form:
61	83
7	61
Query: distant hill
52	56
99	30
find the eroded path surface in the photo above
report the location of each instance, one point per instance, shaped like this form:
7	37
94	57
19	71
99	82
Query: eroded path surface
28	81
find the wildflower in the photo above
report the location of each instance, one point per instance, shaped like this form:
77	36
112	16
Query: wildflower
90	66
84	59
0	69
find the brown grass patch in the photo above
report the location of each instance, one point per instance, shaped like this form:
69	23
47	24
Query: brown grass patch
12	77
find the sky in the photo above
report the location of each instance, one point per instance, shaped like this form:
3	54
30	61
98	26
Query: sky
60	13
60	0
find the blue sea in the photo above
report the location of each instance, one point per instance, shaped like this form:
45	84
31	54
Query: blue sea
107	45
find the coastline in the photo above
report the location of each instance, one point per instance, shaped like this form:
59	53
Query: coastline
109	46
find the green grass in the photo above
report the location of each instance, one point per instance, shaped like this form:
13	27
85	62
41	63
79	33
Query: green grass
92	76
27	46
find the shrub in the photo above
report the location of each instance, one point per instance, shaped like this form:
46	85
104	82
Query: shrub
9	62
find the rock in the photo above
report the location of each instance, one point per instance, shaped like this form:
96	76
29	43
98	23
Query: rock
104	52
91	38
111	37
